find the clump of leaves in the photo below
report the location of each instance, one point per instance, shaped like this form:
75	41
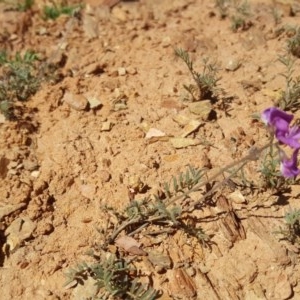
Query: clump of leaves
293	43
162	209
113	278
18	80
276	15
238	12
19	5
54	11
290	97
291	232
223	7
206	82
269	170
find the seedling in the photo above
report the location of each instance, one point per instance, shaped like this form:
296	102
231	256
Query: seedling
19	5
276	15
54	11
18	81
291	231
223	6
206	83
114	278
293	44
269	170
290	97
237	11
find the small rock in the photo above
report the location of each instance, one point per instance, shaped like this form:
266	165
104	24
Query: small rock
121	71
77	102
104	176
202	108
90	26
106	126
2	119
35	174
18	231
93	69
166	42
237	197
160	259
13	164
94	102
119	105
119	13
42	31
88	190
192	126
232	65
9	208
181	142
131	70
130	245
30	165
154	132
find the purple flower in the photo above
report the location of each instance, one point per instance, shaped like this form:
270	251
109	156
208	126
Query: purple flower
291	137
280	121
288	167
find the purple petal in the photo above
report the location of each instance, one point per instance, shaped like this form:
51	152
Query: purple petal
290	138
288	167
275	117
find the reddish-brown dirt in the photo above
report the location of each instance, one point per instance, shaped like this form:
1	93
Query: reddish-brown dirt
62	162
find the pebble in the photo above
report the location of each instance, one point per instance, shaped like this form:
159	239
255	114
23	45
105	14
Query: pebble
232	65
10	208
121	71
30	165
201	108
166	42
104	176
78	102
160	259
18	231
94	102
2	119
106	126
35	174
131	70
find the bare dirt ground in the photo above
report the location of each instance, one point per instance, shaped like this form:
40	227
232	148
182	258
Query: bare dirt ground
65	160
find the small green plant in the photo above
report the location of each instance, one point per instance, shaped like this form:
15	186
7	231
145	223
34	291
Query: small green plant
206	83
162	209
269	170
237	22
19	5
238	12
26	5
293	43
18	80
290	97
276	15
223	6
291	231
114	278
54	11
